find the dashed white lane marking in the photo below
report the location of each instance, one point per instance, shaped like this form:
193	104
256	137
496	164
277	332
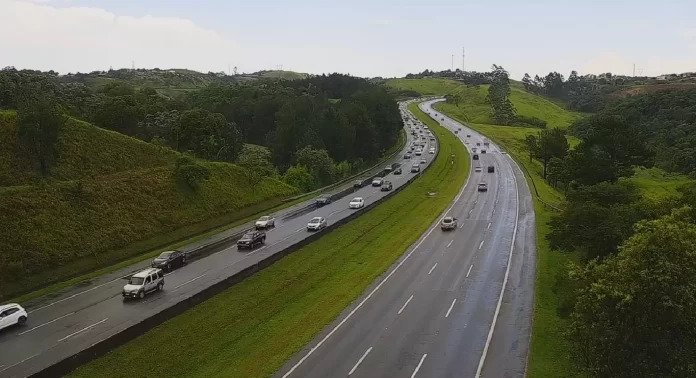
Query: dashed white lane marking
431	269
359	361
450	307
83	329
419	365
481	245
450	243
20	362
489	226
469	271
41	325
470	211
405	304
74	295
191	280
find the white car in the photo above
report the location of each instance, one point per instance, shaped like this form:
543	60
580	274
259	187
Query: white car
316	224
265	221
356	203
11	314
377	181
143	282
419	152
477	169
432	150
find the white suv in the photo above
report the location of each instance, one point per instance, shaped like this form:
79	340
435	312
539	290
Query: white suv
11	314
143	283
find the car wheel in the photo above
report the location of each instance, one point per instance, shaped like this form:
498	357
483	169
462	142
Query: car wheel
183	260
141	294
22	320
160	286
263	241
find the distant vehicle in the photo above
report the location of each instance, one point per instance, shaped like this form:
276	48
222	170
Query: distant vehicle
251	239
356	203
168	260
12	314
323	200
473	149
482	187
425	127
423	161
357	184
264	222
415	168
397	171
483	151
143	282
432	150
468	135
419	152
386	186
459	129
407	156
477	169
491	169
442	119
316	224
448	223
377	181
388	168
475	157
478	143
456	131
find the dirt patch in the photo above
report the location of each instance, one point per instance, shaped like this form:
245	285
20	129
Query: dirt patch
650	88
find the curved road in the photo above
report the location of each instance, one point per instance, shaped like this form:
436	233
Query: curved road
432	313
77	318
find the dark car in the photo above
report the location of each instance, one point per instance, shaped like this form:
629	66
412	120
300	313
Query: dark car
476	157
407	156
491	169
483	151
169	259
357	184
456	131
386	186
397	171
251	239
324	200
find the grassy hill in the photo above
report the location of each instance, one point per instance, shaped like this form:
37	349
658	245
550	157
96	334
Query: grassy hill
109	198
648	88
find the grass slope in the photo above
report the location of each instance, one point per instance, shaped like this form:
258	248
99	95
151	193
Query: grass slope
251	329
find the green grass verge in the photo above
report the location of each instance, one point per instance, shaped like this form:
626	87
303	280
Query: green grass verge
251	329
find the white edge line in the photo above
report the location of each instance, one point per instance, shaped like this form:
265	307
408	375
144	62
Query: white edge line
405	304
451	307
431	269
505	280
469	271
20	362
41	325
350	314
419	365
83	329
359	361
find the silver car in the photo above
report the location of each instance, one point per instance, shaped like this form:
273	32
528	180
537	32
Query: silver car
316	224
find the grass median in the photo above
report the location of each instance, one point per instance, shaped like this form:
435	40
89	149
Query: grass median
251	329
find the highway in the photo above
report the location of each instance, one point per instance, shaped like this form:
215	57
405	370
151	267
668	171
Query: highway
63	324
457	303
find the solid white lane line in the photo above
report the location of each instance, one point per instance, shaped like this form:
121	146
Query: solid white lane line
41	325
74	295
431	269
481	245
84	329
505	279
405	304
352	312
189	281
359	361
450	308
419	365
20	362
470	211
489	226
467	273
450	243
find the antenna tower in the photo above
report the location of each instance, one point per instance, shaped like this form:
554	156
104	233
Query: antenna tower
463	57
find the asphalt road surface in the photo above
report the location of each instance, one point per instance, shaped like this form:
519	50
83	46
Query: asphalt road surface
78	317
458	303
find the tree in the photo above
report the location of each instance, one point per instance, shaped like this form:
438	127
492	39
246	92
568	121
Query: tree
318	162
504	112
532	145
634	312
527	82
40	120
299	177
551	143
256	163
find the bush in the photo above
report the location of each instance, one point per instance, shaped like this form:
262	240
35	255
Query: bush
190	172
532	121
299	177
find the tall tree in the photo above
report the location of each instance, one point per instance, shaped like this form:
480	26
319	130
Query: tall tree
551	144
40	120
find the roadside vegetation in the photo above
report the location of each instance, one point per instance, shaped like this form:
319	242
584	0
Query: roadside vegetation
618	231
249	332
149	170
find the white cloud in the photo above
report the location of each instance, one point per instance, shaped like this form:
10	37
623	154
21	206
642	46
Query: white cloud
384	21
41	36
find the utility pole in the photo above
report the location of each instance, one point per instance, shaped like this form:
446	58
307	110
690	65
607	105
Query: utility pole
634	70
463	56
452	63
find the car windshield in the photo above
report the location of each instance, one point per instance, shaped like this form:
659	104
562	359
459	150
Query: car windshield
447	220
165	255
265	218
136	280
322	199
315	220
248	235
356	199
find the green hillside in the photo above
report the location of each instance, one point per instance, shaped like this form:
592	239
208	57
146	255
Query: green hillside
109	198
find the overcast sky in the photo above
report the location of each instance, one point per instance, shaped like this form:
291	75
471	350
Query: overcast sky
364	38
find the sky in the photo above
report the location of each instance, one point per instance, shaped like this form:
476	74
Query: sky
387	38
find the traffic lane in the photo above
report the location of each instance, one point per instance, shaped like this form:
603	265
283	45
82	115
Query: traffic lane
89	297
509	348
197	276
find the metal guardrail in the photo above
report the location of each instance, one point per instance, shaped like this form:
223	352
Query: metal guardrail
132	331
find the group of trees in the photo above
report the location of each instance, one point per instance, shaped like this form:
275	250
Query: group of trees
504	112
343	119
629	297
